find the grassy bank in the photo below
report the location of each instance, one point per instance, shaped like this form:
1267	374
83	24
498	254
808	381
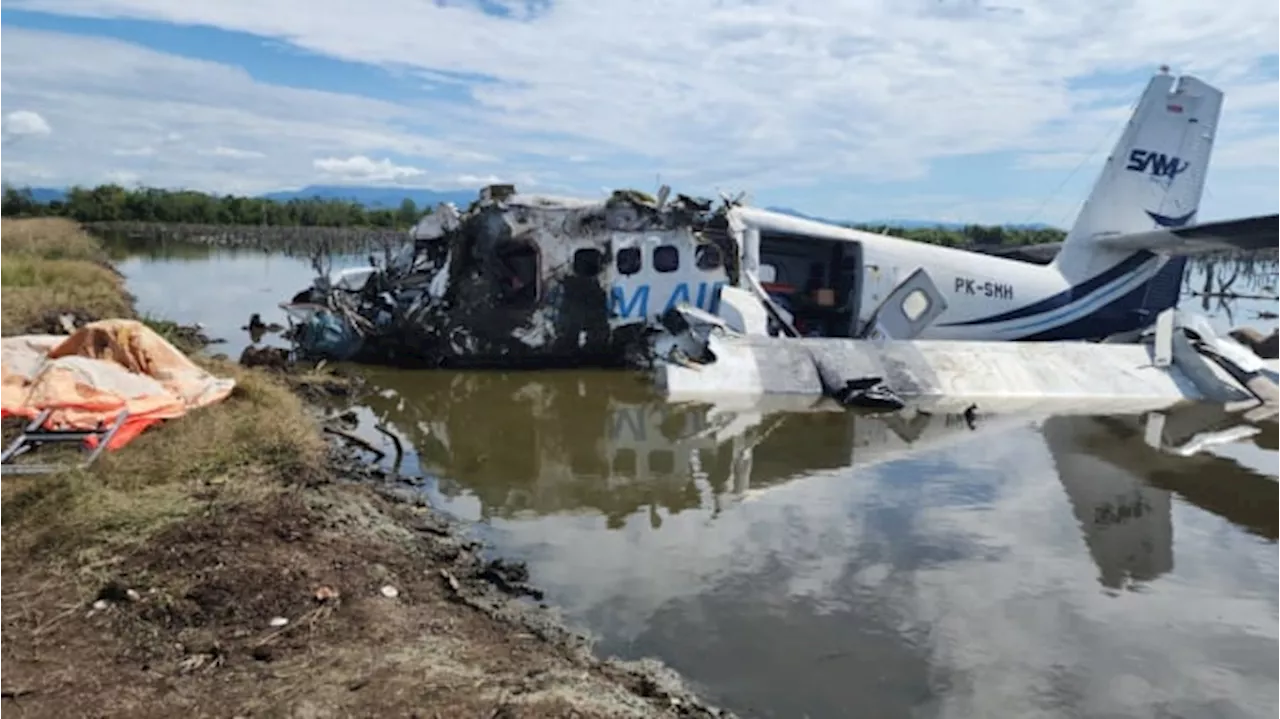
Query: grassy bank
231	563
256	442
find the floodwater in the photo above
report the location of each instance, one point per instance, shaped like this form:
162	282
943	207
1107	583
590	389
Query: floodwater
829	564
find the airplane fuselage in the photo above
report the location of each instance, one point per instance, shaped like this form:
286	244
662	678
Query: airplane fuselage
854	272
994	298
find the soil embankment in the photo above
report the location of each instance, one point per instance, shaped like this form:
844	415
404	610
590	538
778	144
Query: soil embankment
234	563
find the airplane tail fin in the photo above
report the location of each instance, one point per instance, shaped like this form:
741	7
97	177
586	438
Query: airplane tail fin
1153	179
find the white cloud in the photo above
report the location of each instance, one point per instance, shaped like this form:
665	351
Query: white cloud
765	94
180	122
233	153
122	177
145	151
362	169
25	122
955	81
1053	160
467	180
478	181
1259	152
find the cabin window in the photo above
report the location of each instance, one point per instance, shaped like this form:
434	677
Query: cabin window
662	461
915	304
666	258
587	262
624	462
708	257
628	260
516	269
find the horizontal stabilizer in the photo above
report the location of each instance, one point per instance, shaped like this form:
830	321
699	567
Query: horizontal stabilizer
1250	234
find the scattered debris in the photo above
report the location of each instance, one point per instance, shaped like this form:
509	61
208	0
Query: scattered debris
1265	346
198	661
189	338
326	594
257	325
274	358
870	393
61	321
510	578
389	591
395	441
450	581
355	440
277	622
114	591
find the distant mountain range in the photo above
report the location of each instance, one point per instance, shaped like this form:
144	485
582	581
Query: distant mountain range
377	196
374	197
391	197
47	194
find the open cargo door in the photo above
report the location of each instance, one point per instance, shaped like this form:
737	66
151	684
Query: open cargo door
908	309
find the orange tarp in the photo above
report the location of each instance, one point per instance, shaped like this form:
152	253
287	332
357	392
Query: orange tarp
88	378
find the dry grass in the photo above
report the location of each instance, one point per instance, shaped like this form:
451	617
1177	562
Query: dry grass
252	445
52	267
51	238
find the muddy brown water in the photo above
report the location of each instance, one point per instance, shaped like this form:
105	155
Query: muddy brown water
829	564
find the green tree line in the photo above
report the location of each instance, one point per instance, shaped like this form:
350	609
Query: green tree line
987	235
113	203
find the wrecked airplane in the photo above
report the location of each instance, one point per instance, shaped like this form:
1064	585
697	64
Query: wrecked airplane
521	281
528	281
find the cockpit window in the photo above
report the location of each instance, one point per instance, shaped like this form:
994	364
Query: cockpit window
516	265
628	260
708	257
587	262
666	258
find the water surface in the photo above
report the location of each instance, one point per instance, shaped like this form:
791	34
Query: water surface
830	564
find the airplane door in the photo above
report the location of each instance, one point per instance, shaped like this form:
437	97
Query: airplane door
907	310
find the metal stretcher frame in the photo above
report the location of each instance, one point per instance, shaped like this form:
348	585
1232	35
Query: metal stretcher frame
34	435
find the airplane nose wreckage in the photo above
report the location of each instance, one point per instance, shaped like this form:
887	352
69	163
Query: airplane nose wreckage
520	281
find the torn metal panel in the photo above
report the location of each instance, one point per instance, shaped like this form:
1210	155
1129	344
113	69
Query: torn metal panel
520	280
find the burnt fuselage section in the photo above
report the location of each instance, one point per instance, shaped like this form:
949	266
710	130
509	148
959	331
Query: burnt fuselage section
521	282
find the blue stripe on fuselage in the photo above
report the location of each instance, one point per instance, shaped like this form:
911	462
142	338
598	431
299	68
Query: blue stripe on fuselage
1067	296
1136	309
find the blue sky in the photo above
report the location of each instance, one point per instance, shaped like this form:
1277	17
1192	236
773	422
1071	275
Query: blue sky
933	109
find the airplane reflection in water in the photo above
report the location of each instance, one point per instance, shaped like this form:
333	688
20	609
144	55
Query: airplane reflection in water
599	442
1120	491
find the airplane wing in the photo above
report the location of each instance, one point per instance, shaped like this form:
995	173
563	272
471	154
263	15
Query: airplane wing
1250	234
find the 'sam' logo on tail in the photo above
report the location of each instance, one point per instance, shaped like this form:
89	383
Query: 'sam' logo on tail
1156	163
